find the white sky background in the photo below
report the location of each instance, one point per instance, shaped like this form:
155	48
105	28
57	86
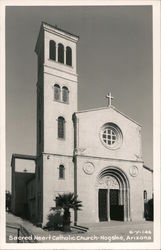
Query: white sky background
114	55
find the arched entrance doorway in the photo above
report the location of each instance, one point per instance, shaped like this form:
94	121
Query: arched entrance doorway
113	195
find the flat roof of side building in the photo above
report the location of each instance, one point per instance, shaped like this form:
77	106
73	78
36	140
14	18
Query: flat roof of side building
23	157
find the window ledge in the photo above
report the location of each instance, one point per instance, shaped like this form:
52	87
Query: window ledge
52	60
60	101
61	139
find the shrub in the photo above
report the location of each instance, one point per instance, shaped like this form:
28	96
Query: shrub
55	220
65	202
149	210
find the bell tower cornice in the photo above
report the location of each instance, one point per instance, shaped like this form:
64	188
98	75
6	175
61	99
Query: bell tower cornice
56	31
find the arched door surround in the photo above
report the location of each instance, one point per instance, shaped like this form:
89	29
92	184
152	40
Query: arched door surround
113	194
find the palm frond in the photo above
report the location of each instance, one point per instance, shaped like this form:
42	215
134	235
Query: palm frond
68	200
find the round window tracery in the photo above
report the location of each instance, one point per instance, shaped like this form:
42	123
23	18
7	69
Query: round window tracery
111	135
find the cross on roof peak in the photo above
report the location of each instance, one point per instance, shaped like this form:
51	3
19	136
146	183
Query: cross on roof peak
109	97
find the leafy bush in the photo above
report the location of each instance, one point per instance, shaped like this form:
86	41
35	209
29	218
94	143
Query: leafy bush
149	210
55	220
64	202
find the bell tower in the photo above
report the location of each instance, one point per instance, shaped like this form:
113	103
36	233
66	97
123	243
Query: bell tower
56	90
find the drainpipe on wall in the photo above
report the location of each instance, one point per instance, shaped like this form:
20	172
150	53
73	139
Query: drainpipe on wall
75	125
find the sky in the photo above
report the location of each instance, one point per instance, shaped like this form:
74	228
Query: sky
114	54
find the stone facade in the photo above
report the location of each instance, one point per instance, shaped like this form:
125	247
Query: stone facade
126	160
97	154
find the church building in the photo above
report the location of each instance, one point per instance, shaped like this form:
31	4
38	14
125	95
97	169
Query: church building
96	154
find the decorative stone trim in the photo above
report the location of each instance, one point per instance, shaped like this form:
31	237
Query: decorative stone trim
133	171
89	168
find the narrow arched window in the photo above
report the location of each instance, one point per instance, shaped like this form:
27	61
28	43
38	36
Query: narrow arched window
52	50
57	92
61	127
69	56
61	172
145	195
65	94
60	53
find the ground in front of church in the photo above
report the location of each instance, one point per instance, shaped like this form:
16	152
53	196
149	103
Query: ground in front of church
113	231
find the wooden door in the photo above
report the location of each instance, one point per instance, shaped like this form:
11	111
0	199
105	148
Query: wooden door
102	196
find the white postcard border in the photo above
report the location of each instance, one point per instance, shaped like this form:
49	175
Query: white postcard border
156	127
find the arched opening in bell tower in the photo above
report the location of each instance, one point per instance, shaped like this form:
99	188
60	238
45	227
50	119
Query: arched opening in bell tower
68	56
60	53
52	50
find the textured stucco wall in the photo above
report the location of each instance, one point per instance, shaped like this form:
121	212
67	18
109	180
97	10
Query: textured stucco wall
52	185
52	110
87	188
89	127
91	149
52	72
